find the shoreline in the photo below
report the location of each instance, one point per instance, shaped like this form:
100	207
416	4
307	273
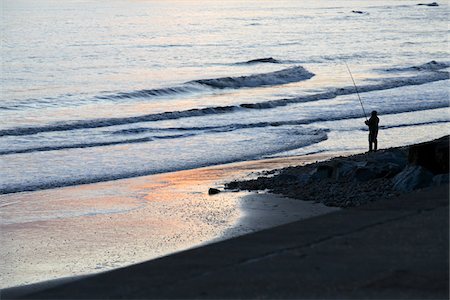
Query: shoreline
155	214
257	211
243	160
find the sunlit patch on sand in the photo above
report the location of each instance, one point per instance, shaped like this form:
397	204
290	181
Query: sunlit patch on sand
91	228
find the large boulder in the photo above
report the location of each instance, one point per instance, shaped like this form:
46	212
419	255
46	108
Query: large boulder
346	169
322	172
365	173
441	179
432	156
395	156
376	170
411	178
350	170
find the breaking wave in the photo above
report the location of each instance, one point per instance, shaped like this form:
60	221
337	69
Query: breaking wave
413	124
342	116
224	128
429	66
284	76
189	88
289	75
91	145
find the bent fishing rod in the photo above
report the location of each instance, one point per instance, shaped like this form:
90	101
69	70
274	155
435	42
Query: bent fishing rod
356	89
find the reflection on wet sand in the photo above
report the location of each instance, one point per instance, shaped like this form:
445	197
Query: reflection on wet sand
90	228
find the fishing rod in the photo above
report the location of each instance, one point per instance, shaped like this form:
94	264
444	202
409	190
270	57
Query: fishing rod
356	89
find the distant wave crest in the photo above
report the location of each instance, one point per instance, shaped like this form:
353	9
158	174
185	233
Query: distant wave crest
270	60
289	75
429	66
284	76
152	92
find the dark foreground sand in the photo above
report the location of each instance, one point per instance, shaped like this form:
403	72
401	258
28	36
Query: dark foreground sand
395	247
391	249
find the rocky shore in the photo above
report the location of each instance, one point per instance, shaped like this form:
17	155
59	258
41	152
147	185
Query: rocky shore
359	179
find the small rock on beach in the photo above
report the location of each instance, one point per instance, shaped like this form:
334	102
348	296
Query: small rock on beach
428	4
213	191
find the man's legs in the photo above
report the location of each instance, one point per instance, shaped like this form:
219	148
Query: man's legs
370	142
374	139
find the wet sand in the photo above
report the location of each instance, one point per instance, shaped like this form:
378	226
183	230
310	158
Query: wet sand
389	249
97	227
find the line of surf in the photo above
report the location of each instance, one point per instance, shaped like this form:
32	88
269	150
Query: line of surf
314	136
226	128
91	145
197	112
429	66
353	115
414	124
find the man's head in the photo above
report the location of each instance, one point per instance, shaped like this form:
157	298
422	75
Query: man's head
374	113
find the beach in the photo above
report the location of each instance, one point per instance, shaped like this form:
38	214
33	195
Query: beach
86	229
135	132
401	241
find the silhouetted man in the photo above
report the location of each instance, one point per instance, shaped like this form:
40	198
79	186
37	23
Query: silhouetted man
373	131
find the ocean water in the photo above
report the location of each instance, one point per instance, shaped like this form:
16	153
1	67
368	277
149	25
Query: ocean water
100	90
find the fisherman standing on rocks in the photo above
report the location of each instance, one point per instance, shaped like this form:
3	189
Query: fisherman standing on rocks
373	130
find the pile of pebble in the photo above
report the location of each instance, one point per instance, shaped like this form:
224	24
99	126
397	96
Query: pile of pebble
359	179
